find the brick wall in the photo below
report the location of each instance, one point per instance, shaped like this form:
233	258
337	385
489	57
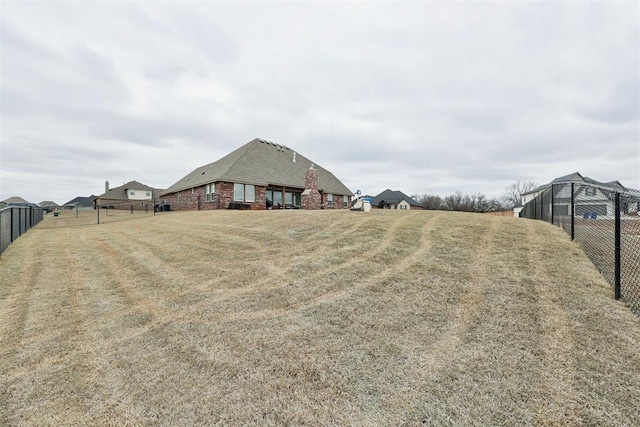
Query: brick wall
338	200
187	200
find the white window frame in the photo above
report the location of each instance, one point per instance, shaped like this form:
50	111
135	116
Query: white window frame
345	201
249	193
210	191
329	200
589	191
244	192
238	192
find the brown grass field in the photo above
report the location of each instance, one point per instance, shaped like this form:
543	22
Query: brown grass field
311	318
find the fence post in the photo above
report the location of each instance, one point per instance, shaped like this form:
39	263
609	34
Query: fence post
617	248
551	221
98	206
573	214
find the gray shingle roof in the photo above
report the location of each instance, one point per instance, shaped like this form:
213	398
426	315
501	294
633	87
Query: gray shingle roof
15	200
577	177
81	201
120	193
392	197
263	163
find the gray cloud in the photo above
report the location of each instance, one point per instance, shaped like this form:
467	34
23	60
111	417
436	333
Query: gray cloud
422	97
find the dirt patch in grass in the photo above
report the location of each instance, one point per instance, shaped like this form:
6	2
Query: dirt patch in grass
292	317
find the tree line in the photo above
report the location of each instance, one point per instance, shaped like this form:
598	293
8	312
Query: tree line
476	202
473	202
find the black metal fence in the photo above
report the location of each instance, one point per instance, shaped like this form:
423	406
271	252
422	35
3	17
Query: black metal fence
15	221
107	208
605	221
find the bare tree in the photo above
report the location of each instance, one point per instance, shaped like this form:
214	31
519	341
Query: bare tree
429	201
474	202
513	193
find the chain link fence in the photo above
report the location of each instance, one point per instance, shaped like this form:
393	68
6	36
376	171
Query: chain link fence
111	209
605	221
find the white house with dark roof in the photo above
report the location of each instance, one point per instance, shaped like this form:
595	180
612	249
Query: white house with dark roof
389	199
591	198
132	195
259	175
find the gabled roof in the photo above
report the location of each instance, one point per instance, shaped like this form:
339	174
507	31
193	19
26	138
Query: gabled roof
261	162
81	201
120	193
15	200
577	177
393	198
571	177
48	204
613	185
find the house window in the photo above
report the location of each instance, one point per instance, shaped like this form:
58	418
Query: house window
588	191
148	193
277	199
345	201
209	192
244	193
238	192
132	192
249	193
330	200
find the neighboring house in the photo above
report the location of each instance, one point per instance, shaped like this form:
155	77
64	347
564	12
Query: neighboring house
591	198
132	195
80	202
389	199
259	175
16	201
48	205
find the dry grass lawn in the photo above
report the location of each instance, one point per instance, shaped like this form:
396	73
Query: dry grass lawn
321	318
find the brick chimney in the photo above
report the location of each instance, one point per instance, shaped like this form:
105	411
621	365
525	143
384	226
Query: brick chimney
311	198
106	186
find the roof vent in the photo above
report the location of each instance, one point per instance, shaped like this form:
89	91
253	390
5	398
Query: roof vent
294	157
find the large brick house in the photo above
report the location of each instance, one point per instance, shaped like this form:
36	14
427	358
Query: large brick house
259	175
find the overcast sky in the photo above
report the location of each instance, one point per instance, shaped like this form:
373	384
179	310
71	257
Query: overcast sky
422	97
